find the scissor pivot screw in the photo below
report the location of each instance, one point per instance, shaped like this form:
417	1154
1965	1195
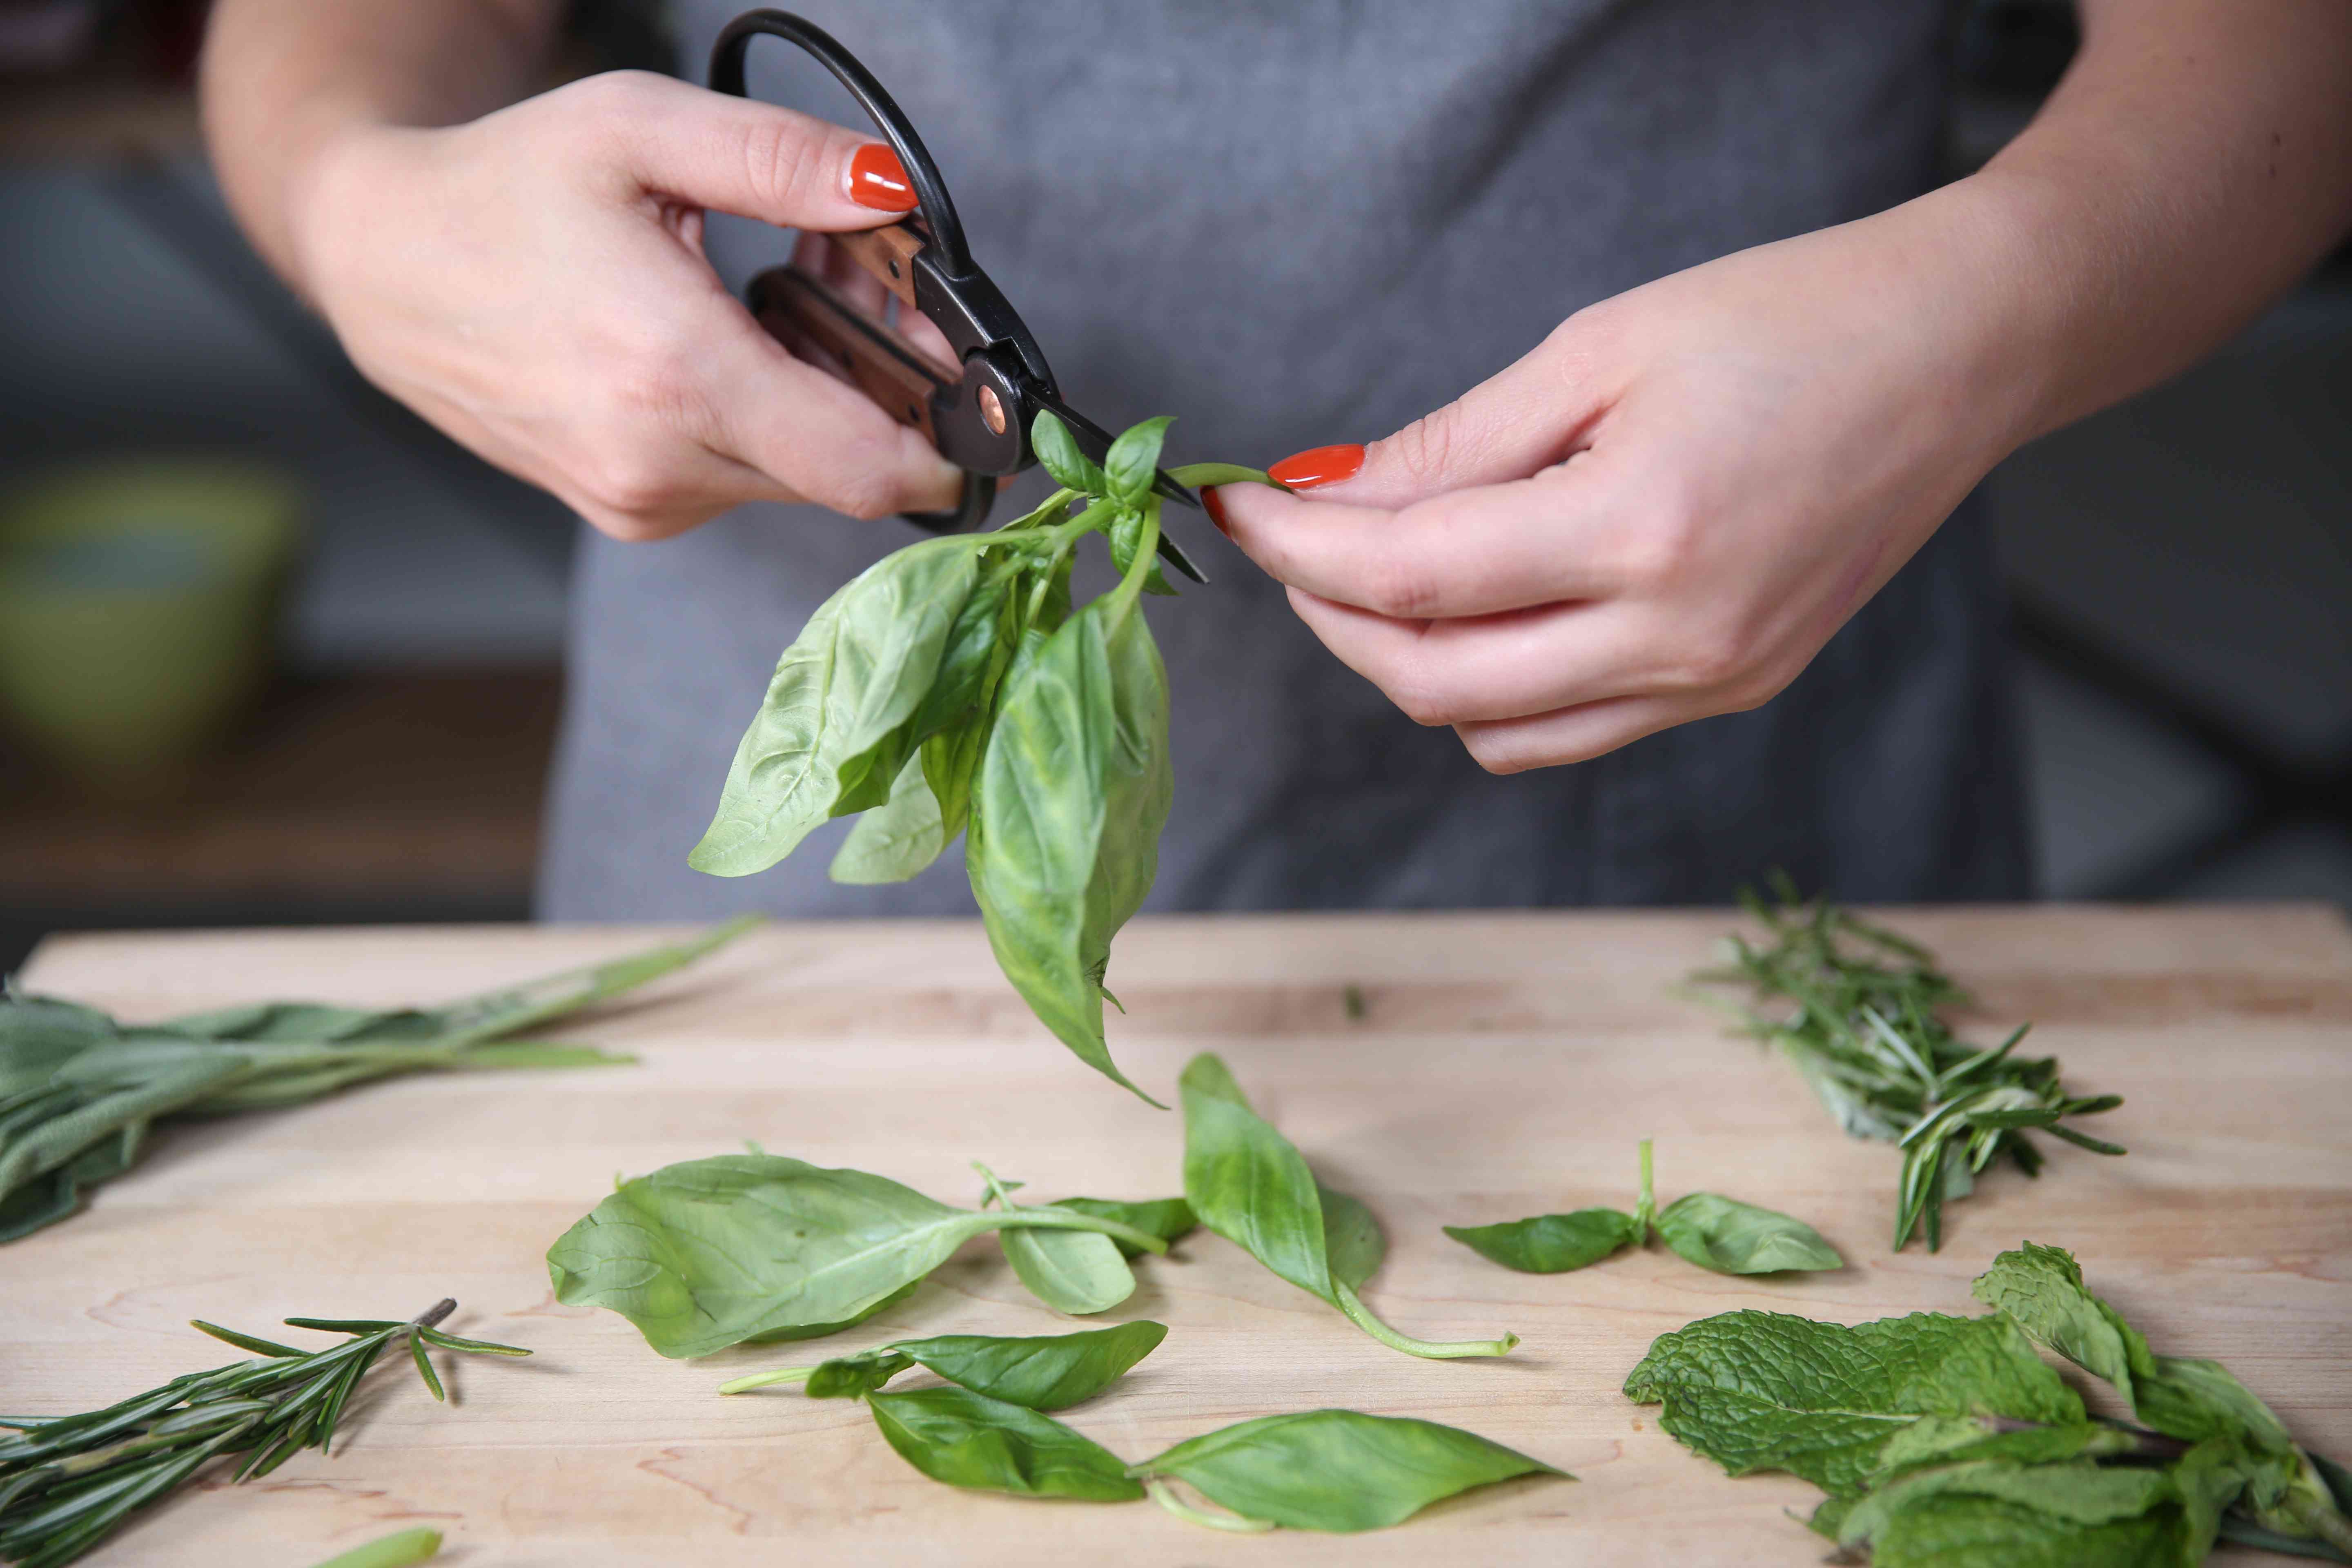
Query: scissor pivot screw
991	411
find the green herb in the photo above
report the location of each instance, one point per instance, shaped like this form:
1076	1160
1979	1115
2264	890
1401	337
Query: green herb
79	1091
1866	1036
1711	1231
1080	1273
711	1253
1328	1469
401	1549
1249	1184
68	1481
1948	1441
1170	1219
968	1439
1043	1373
949	689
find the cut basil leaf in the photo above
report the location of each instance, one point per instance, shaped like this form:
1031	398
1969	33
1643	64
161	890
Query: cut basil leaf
969	1440
1551	1243
1732	1238
1059	455
1132	464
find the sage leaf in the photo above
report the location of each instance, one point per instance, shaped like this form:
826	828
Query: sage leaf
1551	1243
835	708
1337	1470
1075	1271
1732	1238
710	1253
969	1440
1170	1219
1074	787
1048	1372
1133	461
1767	1390
1059	455
1249	1184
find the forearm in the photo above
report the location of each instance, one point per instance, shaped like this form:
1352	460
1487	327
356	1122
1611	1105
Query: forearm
283	80
2194	164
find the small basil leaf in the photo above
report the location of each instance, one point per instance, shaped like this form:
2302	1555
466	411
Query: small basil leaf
968	1439
1732	1238
896	839
1551	1243
1170	1219
1205	476
1057	453
1337	1469
1125	535
1133	461
1045	1372
1075	1271
855	1377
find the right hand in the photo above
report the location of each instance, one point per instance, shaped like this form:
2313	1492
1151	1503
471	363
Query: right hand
533	283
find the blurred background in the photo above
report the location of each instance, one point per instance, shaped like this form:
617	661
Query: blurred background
272	651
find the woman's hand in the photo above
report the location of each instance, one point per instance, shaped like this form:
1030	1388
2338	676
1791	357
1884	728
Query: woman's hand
1660	514
533	283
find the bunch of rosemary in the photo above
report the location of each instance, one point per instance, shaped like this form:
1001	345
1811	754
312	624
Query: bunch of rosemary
78	1090
68	1481
1866	1036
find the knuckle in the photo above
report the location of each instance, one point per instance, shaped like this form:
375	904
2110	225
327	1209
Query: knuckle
1720	657
782	159
1422	451
631	482
1494	751
1399	589
866	492
1422	703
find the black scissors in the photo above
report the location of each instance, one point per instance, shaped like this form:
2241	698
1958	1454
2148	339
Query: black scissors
978	417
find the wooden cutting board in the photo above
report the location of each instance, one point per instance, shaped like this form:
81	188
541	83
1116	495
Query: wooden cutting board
1503	1064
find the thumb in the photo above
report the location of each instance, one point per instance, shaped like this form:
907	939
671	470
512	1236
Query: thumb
759	161
1525	418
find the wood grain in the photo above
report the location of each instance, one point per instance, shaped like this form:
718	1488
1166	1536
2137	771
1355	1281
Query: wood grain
1503	1065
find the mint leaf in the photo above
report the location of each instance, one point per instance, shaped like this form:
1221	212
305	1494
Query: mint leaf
2003	1515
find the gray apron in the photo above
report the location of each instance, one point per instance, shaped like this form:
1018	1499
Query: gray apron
1294	222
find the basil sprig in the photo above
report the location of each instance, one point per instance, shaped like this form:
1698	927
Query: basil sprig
1248	1182
711	1253
1948	1441
1045	1372
1705	1229
950	689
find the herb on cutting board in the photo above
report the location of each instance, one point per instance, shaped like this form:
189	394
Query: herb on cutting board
712	1253
1705	1229
1867	1037
1250	1185
400	1549
1042	1371
79	1091
1948	1441
951	688
68	1481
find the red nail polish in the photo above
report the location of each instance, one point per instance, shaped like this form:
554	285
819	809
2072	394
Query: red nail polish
1319	465
877	179
1212	503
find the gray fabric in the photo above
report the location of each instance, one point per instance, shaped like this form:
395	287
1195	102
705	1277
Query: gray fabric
1294	222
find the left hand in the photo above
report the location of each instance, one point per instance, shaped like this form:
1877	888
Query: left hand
1666	509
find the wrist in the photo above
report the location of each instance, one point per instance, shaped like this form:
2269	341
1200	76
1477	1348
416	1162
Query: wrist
326	198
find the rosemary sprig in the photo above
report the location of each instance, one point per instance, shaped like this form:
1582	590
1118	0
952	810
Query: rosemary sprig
68	1481
1866	1034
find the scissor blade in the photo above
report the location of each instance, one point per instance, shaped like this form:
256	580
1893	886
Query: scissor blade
1094	442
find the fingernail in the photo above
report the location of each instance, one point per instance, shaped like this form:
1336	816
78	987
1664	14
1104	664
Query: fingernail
1319	465
877	180
1215	507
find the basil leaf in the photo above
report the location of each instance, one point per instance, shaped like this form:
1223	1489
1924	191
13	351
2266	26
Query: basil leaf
1337	1469
1074	789
1551	1243
896	839
1248	1184
1765	1391
969	1440
855	1377
1047	1371
1170	1219
1206	475
1732	1238
1125	535
710	1253
836	706
1075	1271
792	1332
1133	461
1059	455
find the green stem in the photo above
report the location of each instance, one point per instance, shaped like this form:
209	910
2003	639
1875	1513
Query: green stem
762	1379
1050	1218
1361	1316
1165	1496
1645	1209
2321	1518
1139	570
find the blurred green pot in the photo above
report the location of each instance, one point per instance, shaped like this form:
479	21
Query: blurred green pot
137	601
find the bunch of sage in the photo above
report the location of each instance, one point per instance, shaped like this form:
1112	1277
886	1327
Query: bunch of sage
1319	1470
951	688
1866	1036
1705	1229
67	1482
1948	1441
712	1253
79	1091
1250	1185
